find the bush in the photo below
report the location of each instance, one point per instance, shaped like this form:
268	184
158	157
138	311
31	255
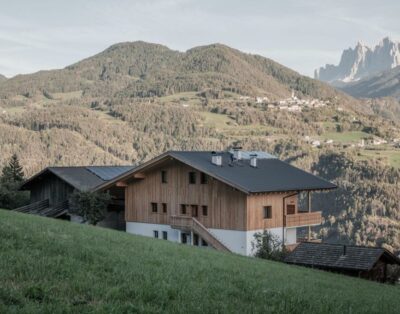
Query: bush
268	246
91	206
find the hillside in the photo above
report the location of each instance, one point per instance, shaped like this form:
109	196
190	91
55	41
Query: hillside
139	69
384	84
55	118
54	266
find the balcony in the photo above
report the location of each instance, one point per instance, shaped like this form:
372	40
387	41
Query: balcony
302	219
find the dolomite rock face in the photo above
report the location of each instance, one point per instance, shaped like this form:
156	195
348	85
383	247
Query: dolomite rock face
360	62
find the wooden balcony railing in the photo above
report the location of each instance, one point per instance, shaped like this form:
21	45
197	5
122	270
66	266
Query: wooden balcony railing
303	219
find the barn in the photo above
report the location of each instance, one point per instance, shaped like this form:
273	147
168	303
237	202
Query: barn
51	188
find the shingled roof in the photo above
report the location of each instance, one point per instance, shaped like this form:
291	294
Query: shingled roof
81	178
270	175
337	256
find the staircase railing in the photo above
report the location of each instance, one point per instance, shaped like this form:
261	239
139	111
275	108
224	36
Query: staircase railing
192	224
56	211
34	207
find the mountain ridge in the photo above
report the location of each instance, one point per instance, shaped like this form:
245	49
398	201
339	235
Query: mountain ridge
140	69
360	62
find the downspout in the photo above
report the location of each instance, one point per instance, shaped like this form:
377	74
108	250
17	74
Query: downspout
283	216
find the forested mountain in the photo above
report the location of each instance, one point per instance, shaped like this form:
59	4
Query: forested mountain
141	69
384	84
134	101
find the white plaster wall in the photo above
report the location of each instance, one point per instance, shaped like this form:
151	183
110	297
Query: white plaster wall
234	240
291	236
145	229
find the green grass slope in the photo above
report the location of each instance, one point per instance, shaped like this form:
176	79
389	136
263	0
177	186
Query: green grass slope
50	266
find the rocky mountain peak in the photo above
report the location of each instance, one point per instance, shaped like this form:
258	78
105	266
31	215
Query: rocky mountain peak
361	62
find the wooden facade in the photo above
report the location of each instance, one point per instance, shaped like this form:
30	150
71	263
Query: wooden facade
52	188
226	206
147	196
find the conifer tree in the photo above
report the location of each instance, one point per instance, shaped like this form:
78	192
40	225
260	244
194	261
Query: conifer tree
13	171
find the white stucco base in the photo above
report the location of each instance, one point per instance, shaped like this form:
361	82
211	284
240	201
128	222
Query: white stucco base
239	242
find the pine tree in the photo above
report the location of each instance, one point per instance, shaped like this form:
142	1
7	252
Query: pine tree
13	171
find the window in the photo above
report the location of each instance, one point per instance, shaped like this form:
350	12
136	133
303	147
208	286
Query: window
205	210
192	177
155	232
184	238
183	209
290	209
154	207
195	211
195	239
165	235
267	212
203	178
163	176
164	208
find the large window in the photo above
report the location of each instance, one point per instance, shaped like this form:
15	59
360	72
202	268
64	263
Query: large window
267	212
164	208
183	209
204	210
154	208
203	178
164	176
192	177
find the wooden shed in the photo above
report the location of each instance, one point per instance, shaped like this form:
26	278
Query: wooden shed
51	188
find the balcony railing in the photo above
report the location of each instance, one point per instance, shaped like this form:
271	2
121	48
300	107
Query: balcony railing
303	219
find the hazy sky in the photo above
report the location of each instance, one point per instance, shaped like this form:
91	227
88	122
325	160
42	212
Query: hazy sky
301	34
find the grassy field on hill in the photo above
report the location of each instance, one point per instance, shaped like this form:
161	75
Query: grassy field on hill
51	266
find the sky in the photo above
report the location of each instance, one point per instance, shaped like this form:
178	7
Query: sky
300	34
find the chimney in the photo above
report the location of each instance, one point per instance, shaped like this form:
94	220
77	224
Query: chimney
253	160
216	159
237	153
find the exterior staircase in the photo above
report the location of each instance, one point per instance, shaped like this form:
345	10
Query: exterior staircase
42	208
193	225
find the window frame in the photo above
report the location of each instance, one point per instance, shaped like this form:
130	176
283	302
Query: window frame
203	178
165	235
155	234
183	209
164	176
204	207
267	212
164	208
192	177
154	207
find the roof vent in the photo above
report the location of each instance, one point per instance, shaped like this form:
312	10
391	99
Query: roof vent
253	160
237	153
216	159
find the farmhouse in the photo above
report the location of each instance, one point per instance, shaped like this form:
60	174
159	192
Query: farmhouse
365	262
217	199
51	188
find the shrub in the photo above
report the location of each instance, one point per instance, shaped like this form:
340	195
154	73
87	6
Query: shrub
91	206
268	246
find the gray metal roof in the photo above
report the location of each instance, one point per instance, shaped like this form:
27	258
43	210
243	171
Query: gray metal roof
270	175
337	256
108	173
81	178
